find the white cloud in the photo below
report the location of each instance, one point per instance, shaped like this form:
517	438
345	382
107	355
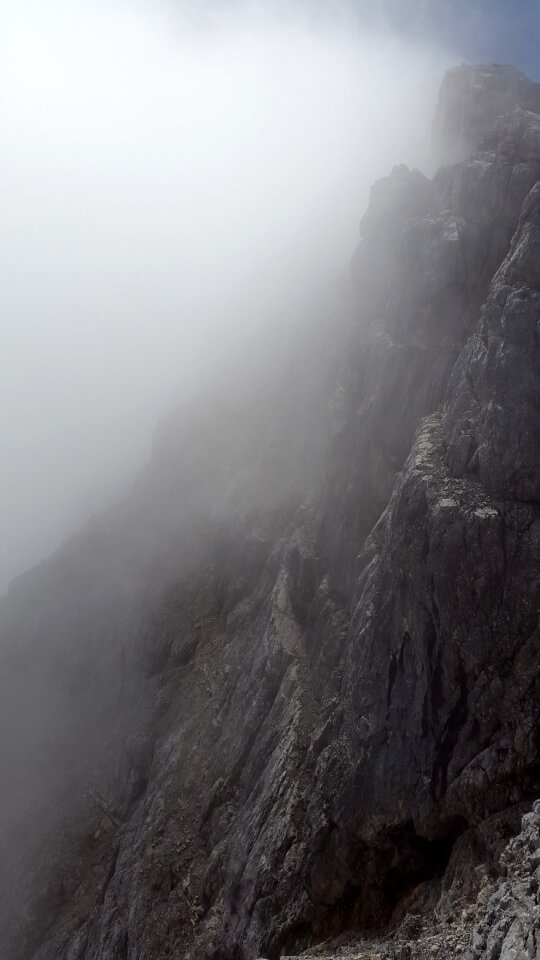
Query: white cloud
164	167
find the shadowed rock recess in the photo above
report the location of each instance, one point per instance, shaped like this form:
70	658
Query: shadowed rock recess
285	697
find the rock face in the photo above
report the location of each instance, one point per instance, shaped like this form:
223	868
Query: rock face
471	100
289	690
510	924
493	416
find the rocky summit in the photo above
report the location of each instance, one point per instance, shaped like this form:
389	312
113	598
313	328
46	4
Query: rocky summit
285	697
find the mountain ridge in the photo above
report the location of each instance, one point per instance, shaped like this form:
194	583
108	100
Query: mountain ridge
308	705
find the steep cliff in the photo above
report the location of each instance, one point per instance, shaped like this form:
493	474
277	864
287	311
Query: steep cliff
288	691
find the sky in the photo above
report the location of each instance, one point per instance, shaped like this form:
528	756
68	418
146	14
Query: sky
173	175
481	31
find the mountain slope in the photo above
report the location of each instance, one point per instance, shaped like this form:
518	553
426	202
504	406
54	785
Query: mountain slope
291	684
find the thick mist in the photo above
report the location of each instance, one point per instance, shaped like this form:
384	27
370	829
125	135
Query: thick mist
174	176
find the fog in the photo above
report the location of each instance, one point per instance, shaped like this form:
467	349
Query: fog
173	177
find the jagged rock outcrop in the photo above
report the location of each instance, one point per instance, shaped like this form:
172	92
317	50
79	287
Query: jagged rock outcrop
493	417
471	99
475	915
509	925
290	687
